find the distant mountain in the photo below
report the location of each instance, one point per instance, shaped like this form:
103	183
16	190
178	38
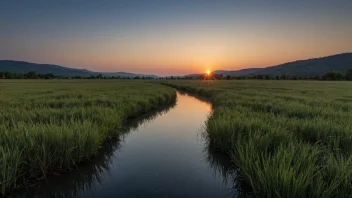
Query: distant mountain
126	74
310	67
220	72
21	67
242	72
192	75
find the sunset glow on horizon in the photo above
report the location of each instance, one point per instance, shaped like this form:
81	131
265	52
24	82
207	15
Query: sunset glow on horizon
173	37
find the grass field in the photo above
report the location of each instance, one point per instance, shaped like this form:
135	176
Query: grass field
287	138
51	125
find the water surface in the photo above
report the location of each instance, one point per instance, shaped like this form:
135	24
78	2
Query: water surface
161	155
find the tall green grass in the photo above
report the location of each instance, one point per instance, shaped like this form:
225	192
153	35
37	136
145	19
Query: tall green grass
51	125
287	139
80	183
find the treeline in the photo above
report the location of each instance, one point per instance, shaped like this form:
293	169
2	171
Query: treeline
330	76
34	75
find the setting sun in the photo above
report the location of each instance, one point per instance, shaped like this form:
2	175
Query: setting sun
208	72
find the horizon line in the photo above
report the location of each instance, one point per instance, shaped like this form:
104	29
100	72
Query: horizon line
70	67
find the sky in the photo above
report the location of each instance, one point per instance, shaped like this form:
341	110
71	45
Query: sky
176	37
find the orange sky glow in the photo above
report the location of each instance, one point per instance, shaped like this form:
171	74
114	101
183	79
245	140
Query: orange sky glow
170	38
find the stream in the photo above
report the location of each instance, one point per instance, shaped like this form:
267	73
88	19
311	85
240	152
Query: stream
162	154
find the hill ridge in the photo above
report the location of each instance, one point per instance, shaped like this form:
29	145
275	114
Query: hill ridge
305	67
22	67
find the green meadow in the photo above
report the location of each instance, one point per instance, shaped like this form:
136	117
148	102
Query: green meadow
286	138
48	126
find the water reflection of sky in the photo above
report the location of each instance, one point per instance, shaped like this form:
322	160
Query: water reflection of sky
165	157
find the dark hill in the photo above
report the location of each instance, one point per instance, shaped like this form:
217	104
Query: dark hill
310	67
242	72
20	67
307	68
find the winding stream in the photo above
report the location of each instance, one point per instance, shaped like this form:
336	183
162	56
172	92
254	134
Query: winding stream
161	155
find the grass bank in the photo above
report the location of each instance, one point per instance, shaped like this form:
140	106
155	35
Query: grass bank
51	125
287	138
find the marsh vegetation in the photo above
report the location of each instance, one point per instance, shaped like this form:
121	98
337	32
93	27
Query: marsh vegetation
160	155
91	173
50	126
287	139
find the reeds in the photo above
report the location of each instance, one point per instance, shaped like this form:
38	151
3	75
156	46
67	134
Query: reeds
288	139
52	125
